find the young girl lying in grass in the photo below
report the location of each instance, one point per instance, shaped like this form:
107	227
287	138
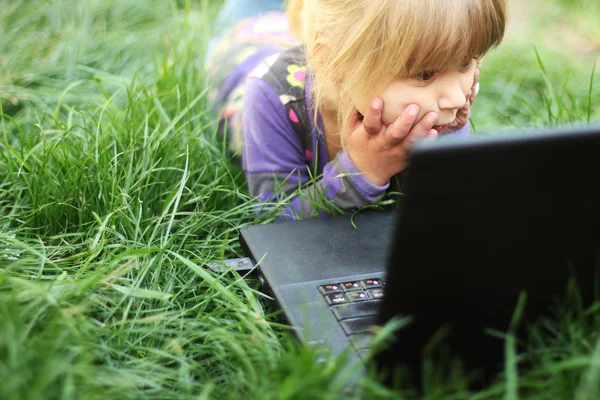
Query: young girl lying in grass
370	78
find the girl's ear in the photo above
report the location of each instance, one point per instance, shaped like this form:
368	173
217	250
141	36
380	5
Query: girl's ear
320	52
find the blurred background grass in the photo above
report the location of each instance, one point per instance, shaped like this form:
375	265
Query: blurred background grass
515	91
115	189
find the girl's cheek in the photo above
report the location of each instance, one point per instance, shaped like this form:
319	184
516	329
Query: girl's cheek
389	116
391	113
468	79
467	82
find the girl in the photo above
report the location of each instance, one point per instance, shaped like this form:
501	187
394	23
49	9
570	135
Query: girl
341	111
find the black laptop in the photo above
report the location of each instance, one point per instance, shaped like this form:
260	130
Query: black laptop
482	220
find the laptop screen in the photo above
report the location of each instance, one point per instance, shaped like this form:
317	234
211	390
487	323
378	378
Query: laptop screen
483	221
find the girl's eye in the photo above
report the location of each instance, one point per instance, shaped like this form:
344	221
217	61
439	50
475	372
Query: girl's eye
425	76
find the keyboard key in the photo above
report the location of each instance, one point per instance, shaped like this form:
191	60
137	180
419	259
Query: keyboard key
336	298
358	325
356	310
351	286
375	293
371	283
331	288
357	296
361	340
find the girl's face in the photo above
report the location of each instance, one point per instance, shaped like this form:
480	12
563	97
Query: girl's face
442	92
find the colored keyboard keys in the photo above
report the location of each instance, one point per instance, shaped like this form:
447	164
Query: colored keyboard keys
330	288
336	298
352	291
351	286
371	283
355	305
357	296
375	293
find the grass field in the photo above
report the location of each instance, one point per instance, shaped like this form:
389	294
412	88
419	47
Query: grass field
115	190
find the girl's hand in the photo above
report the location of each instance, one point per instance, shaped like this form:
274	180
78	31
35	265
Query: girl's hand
462	116
381	151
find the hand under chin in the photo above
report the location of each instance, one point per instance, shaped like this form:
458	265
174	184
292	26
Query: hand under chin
390	116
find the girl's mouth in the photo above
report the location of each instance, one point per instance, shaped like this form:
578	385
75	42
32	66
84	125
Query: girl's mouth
440	128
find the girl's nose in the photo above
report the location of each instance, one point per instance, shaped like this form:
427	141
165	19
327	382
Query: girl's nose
452	96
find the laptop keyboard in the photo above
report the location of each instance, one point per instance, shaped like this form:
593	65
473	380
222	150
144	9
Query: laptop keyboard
355	305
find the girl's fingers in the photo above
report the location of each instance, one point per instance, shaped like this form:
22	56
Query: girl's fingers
355	122
472	94
424	127
372	120
474	89
461	119
432	135
402	125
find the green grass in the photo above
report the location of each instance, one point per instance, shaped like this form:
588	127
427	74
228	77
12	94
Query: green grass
544	69
115	190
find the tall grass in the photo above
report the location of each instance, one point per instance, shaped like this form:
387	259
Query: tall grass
115	191
523	87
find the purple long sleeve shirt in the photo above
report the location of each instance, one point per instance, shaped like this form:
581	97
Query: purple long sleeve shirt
276	162
273	157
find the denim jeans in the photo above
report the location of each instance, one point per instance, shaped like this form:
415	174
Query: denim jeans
236	10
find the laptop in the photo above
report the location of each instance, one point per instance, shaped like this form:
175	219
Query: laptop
482	221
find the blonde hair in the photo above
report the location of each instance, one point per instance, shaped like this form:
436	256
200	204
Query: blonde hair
361	43
295	17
